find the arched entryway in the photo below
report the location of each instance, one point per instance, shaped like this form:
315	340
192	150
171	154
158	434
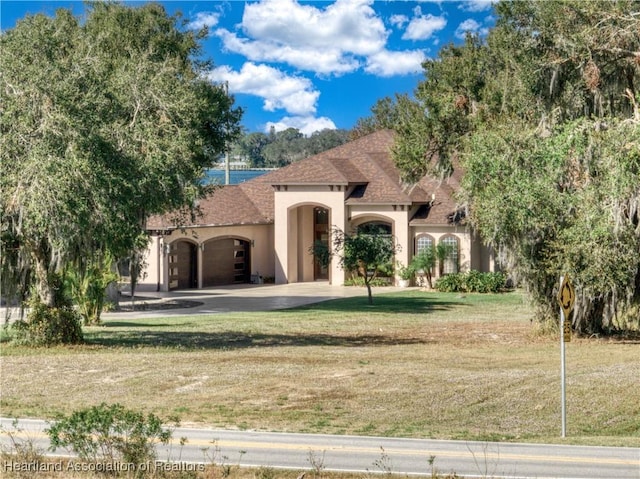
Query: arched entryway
226	261
307	235
183	265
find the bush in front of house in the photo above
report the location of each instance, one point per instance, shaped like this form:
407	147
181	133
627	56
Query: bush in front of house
472	282
48	326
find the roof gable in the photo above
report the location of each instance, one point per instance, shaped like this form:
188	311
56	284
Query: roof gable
365	164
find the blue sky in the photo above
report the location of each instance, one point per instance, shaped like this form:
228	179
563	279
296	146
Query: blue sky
311	65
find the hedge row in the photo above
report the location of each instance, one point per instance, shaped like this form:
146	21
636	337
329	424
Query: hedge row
472	282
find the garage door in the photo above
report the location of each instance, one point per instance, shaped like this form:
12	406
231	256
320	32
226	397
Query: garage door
226	261
183	265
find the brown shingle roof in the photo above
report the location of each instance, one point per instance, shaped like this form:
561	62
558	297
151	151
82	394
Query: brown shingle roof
365	163
383	185
317	170
227	205
441	209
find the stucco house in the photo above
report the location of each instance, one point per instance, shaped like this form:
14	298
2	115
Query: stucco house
264	227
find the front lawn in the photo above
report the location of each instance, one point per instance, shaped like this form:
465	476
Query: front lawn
413	364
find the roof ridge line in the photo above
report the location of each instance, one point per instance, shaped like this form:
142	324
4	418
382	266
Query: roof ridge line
397	185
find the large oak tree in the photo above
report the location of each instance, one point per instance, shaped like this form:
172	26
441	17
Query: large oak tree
543	115
104	121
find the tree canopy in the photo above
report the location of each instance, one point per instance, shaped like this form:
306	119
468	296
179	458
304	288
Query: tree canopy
364	252
543	117
278	149
104	122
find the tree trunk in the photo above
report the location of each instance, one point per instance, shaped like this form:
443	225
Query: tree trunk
46	286
112	293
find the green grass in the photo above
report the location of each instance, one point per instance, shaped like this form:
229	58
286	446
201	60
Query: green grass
413	364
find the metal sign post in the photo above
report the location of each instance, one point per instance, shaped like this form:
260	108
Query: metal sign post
566	298
563	386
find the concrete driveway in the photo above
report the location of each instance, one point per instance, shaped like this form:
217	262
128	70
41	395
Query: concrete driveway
243	297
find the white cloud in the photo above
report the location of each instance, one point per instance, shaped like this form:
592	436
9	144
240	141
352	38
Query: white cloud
326	61
471	26
398	20
306	124
329	40
294	94
422	27
390	63
352	25
204	19
476	5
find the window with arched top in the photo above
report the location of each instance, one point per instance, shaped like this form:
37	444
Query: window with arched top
450	264
375	227
423	243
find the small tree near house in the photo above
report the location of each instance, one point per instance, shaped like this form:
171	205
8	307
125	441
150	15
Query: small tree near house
364	253
426	260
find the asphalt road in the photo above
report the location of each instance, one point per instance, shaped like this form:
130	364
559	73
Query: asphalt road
376	454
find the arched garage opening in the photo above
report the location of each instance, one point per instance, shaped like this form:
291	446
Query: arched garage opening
183	265
226	261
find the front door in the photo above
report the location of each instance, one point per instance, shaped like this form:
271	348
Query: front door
321	237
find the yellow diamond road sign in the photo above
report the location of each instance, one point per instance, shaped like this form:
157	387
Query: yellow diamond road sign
566	296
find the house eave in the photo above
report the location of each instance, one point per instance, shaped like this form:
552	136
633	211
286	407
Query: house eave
167	230
298	183
351	202
429	223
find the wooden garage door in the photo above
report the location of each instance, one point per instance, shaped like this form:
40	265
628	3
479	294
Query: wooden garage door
226	261
183	265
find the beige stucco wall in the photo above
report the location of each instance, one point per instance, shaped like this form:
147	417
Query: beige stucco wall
397	215
482	257
437	232
293	215
156	274
281	250
152	276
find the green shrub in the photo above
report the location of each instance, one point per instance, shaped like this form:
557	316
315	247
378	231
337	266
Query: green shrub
109	433
472	282
405	272
47	326
496	282
87	286
450	283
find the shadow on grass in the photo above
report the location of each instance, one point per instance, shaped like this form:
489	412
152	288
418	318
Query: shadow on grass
147	333
229	340
411	302
383	305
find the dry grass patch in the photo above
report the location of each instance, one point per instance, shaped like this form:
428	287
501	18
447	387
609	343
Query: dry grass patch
415	365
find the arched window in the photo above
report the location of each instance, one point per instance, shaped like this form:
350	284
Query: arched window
450	263
375	227
383	231
423	242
